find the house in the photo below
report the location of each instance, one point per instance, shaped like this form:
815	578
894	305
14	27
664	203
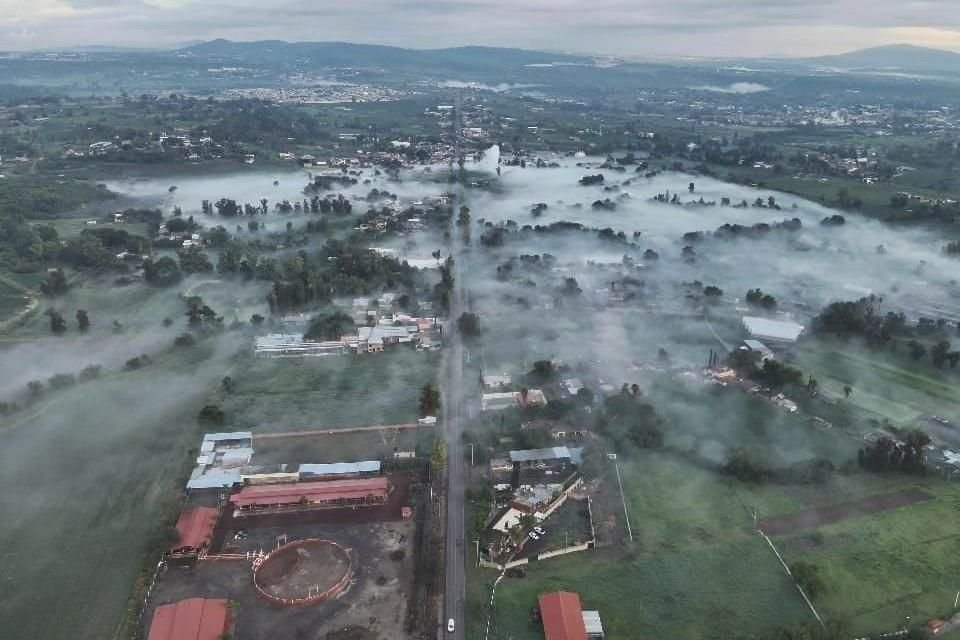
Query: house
544	458
755	346
497	382
505	400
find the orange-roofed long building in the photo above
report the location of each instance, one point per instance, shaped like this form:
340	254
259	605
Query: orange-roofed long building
562	616
194	530
192	619
331	493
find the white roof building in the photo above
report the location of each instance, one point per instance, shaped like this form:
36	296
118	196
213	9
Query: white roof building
772	330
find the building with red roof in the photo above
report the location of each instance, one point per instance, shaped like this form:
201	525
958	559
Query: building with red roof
330	493
192	619
194	530
562	616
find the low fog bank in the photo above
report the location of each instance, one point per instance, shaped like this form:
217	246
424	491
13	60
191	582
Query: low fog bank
94	468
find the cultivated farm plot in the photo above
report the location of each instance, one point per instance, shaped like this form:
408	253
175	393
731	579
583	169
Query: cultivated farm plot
328	392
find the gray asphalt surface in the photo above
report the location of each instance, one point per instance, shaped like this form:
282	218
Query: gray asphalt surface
453	423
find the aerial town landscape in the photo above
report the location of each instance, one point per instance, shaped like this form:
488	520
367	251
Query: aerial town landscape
329	341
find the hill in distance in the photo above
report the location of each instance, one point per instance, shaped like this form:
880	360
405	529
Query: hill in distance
902	58
367	55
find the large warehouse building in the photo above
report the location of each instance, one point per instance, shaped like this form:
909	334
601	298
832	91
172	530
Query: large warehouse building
331	493
192	619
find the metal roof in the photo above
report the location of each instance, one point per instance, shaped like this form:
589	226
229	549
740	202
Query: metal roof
772	329
192	619
562	616
228	435
340	468
532	455
195	527
311	491
214	478
591	620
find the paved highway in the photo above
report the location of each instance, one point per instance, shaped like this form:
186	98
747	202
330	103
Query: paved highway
453	410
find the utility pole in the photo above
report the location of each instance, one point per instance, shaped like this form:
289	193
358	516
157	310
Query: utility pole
477	543
471	454
956	600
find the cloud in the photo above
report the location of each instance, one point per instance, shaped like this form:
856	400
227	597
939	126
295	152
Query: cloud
624	27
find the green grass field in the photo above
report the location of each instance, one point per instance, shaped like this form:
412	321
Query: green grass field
311	393
12	301
882	568
884	386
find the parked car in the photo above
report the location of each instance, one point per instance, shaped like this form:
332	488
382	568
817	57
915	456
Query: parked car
533	536
540	530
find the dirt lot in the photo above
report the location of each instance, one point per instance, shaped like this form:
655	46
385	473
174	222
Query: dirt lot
825	515
372	607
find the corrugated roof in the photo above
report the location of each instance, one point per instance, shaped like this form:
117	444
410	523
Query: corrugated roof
228	435
214	478
195	527
772	329
591	620
192	619
562	616
532	455
311	491
340	468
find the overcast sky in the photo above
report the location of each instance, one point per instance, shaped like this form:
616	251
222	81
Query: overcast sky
620	27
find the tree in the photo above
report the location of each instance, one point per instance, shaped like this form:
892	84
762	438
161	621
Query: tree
212	414
543	370
847	390
429	400
257	319
55	284
83	320
808	577
57	324
712	292
228	385
917	350
691	187
939	353
439	456
777	375
193	260
184	340
468	324
330	326
162	273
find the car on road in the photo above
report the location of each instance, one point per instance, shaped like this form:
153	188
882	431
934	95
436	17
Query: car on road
450	625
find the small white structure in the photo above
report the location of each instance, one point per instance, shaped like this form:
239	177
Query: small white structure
495	382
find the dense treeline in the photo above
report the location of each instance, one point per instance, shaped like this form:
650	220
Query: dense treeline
863	319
